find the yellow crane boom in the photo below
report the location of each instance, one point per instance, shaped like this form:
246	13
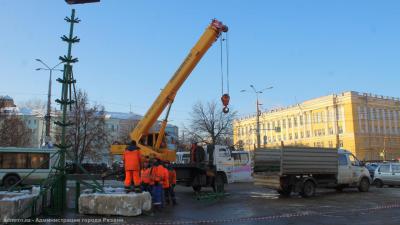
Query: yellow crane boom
167	96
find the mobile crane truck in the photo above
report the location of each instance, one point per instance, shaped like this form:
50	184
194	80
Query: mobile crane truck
150	144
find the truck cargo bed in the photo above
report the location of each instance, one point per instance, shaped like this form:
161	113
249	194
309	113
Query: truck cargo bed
296	161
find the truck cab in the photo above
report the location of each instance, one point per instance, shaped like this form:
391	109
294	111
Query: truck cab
350	170
222	165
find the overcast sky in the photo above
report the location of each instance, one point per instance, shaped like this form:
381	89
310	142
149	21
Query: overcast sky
130	49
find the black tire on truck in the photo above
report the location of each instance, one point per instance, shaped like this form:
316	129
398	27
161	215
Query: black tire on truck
378	183
308	189
364	185
339	188
10	180
285	191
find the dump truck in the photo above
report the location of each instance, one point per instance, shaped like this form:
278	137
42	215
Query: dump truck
302	169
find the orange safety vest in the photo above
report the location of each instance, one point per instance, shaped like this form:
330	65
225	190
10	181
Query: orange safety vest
146	177
132	159
155	175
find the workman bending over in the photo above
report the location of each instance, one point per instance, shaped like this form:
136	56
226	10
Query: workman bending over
132	164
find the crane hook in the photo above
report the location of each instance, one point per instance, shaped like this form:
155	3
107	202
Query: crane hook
225	101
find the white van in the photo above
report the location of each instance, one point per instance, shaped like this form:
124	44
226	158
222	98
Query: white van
17	163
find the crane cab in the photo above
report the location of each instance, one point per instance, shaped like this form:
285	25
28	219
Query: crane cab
147	145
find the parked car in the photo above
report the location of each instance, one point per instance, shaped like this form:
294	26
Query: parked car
387	174
371	169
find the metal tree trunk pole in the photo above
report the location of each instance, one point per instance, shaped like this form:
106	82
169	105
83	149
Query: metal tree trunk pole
66	81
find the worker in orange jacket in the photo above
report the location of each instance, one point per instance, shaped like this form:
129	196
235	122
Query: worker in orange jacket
170	194
156	175
146	176
165	180
132	162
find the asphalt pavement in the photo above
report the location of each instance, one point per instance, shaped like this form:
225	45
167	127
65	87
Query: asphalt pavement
249	204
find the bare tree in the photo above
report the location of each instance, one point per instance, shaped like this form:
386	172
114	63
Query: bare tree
34	104
210	125
88	134
14	132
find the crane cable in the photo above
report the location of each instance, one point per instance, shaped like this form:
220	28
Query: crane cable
225	96
227	62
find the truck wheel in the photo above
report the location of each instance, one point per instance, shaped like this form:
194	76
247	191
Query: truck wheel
339	188
364	185
378	183
196	188
10	180
308	189
219	184
285	191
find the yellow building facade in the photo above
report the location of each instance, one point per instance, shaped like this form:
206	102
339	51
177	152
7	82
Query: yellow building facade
365	124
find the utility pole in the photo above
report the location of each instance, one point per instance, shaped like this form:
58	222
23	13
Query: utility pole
48	114
258	123
336	121
257	92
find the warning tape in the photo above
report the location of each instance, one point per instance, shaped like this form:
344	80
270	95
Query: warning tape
274	217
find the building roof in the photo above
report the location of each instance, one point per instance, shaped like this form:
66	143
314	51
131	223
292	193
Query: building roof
279	109
6	97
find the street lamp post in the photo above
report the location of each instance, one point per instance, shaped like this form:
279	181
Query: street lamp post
257	92
48	114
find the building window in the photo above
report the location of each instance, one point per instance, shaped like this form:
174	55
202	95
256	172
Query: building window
290	137
296	136
308	133
301	120
289	123
341	143
295	122
340	130
283	123
302	134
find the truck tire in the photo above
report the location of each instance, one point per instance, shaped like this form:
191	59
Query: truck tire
285	191
219	184
339	188
364	185
378	183
308	189
10	180
196	188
